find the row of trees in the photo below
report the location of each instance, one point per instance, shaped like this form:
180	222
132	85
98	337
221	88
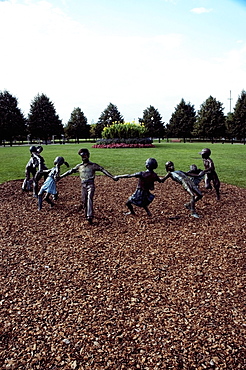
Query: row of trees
44	123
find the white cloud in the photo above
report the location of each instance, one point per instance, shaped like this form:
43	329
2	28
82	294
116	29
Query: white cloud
201	10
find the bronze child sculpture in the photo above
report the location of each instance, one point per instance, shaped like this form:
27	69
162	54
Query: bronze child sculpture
181	178
42	170
30	170
142	196
87	171
195	174
209	172
49	186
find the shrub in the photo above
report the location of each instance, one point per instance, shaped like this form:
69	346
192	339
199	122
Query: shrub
125	130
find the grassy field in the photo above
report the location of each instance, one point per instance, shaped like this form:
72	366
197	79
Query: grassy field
230	160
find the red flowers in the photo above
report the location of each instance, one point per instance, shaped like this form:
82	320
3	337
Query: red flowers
122	145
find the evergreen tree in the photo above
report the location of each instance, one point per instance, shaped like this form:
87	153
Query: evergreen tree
109	116
152	121
12	120
210	121
239	118
182	121
43	122
77	126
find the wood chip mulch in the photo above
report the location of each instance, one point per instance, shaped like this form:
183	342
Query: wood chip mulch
128	292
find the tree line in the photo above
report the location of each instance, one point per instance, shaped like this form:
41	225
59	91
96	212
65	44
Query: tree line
43	123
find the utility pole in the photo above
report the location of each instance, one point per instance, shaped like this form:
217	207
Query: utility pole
230	98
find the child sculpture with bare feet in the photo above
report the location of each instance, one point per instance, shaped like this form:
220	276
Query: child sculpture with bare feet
87	170
181	178
209	172
142	196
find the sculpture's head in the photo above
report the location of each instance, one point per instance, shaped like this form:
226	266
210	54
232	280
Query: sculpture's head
169	166
205	153
151	163
85	154
193	167
33	149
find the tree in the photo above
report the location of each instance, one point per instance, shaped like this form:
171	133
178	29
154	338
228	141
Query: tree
77	126
210	121
12	120
109	116
43	122
182	121
239	118
152	121
93	131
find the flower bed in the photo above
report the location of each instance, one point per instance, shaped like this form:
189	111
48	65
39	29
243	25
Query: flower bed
122	145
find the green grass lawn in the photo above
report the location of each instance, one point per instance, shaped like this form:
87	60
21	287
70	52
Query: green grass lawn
230	160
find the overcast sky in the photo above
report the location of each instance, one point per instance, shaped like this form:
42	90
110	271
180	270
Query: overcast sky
132	53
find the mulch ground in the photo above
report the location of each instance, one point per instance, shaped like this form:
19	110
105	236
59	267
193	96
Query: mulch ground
159	292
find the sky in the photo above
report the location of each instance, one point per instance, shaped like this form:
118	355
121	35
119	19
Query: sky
131	53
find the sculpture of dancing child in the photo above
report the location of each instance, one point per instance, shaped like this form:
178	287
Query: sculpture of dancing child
209	172
49	186
30	170
181	178
195	174
42	170
142	196
87	171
